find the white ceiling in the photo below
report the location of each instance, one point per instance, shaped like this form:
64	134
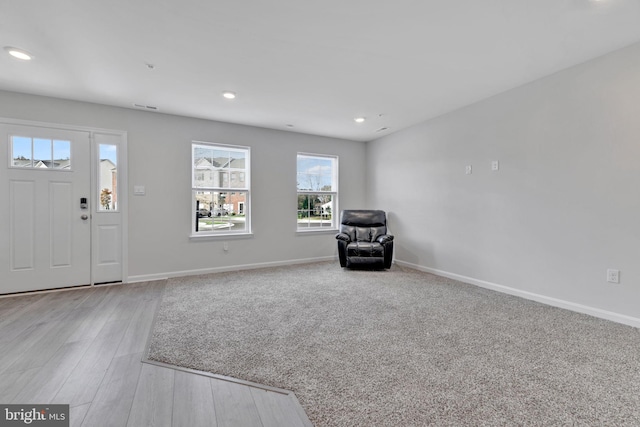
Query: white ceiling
313	65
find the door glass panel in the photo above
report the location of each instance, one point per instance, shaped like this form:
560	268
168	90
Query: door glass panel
61	154
21	151
42	155
108	178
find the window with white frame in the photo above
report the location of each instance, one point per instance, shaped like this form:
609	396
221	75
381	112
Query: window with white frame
108	178
220	189
317	192
39	153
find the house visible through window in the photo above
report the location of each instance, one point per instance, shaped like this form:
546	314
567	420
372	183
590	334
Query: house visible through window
220	192
317	191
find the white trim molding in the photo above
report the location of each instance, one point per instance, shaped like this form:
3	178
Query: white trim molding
169	275
554	302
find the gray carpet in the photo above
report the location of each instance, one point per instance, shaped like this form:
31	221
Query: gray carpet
401	348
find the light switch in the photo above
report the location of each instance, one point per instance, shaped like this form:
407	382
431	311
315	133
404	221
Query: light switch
138	190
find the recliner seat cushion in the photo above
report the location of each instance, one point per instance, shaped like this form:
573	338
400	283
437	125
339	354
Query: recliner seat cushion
365	249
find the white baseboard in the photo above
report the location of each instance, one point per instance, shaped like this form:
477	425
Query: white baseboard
592	311
168	275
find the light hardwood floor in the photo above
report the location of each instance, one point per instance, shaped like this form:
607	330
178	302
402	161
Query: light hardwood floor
85	348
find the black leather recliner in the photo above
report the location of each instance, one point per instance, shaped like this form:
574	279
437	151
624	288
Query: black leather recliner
363	239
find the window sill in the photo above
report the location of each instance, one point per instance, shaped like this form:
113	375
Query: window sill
221	236
312	232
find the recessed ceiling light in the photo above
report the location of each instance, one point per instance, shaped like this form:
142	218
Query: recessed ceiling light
229	94
18	53
360	119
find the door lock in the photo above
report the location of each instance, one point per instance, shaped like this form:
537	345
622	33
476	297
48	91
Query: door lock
83	203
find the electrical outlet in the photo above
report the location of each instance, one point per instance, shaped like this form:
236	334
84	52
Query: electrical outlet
225	246
467	170
613	276
495	165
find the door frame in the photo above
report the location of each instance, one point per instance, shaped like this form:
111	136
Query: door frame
123	192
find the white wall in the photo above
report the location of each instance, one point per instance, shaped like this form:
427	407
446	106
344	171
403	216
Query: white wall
564	206
159	158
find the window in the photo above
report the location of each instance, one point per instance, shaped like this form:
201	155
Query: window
220	192
317	192
39	153
107	177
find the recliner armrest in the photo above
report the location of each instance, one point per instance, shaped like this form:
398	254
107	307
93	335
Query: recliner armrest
385	238
343	236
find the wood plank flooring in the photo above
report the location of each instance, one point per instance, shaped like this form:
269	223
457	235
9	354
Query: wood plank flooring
85	347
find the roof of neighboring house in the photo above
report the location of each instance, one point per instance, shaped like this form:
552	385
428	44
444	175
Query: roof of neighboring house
237	163
219	162
43	164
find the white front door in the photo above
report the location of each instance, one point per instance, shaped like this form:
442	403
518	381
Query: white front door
46	205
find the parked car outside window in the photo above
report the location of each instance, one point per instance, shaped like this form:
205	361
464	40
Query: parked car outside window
220	212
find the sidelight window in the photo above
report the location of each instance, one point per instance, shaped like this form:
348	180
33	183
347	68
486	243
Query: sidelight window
107	177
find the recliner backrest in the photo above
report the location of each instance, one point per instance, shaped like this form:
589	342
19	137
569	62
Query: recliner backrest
363	225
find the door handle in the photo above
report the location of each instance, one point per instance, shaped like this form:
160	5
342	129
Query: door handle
84	217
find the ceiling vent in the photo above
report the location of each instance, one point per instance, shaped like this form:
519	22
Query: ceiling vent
146	107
